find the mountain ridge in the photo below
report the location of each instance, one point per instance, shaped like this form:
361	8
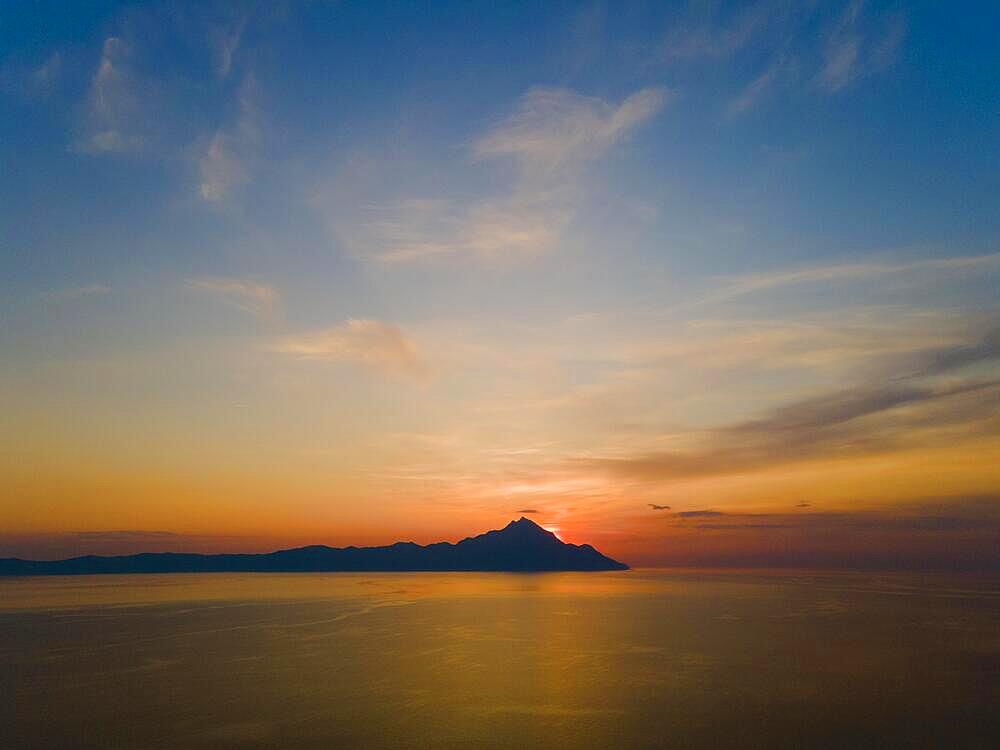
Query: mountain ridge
521	546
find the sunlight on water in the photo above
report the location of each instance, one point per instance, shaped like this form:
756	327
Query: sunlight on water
636	659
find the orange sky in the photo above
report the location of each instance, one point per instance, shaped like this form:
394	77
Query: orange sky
250	300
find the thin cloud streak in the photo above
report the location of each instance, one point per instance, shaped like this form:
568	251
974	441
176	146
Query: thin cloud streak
739	286
778	72
224	165
115	110
556	129
382	347
860	420
705	36
833	426
853	50
253	297
550	139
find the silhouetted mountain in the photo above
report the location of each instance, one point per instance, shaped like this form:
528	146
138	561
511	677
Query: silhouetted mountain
522	545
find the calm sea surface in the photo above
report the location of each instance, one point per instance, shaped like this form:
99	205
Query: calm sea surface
639	659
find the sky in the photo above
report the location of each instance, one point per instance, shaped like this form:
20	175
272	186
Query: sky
700	283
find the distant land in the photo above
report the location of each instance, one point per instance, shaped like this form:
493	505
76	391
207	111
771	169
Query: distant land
521	546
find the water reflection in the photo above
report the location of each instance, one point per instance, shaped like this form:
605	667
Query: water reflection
636	659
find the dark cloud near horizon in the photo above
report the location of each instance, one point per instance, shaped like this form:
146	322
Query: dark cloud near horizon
527	510
654	506
946	359
854	521
873	416
976	514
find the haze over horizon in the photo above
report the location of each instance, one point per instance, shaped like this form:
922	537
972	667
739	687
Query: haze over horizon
698	283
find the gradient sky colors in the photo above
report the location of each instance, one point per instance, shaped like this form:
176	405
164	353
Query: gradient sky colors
357	272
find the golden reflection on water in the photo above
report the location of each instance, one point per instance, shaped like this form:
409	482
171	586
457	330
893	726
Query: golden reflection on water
635	659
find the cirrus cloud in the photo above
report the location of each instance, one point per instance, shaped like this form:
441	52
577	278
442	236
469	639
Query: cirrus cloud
556	128
550	139
380	346
251	296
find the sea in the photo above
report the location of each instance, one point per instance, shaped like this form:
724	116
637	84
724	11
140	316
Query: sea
638	659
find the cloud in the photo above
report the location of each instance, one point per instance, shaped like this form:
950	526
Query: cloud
225	40
220	168
855	43
380	346
940	515
854	50
781	69
699	514
115	120
854	421
527	511
253	297
732	287
136	107
946	359
956	532
521	225
550	139
223	166
905	405
658	507
556	128
704	35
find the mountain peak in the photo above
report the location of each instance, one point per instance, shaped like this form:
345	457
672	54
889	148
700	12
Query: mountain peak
525	522
525	526
522	545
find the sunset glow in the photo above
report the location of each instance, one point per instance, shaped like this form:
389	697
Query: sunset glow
690	295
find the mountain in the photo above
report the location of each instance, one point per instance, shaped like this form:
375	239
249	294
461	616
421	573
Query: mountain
521	546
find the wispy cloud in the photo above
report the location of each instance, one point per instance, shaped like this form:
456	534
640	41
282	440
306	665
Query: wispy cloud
223	166
225	39
855	43
550	138
521	225
957	532
781	70
115	109
380	346
557	129
253	297
707	33
976	513
731	287
905	409
857	47
845	423
131	108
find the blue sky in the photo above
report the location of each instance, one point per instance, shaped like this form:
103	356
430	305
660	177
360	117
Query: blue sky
475	251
